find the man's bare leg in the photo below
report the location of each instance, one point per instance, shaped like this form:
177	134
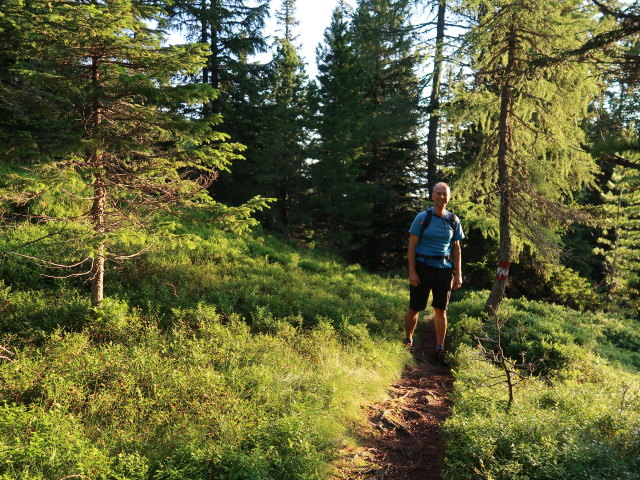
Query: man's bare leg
440	324
410	323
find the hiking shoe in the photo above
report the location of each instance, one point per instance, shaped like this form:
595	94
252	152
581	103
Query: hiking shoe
441	357
408	343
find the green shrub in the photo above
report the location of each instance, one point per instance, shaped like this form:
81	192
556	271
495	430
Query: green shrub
578	418
46	443
29	315
569	288
205	362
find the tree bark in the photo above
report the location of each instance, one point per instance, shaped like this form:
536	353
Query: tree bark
204	37
504	181
98	217
99	197
434	100
214	58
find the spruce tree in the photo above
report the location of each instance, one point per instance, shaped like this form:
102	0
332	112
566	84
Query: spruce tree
125	145
434	98
620	245
280	168
286	17
234	33
384	44
339	201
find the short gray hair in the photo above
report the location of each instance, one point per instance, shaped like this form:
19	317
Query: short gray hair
438	184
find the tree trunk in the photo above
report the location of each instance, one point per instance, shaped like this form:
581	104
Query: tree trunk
504	182
434	100
214	58
98	217
283	194
204	36
99	196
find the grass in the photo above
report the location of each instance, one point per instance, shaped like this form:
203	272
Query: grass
224	357
217	357
577	417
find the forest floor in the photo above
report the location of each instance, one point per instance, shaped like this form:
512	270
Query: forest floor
402	439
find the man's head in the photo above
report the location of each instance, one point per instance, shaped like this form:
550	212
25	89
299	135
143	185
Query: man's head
441	194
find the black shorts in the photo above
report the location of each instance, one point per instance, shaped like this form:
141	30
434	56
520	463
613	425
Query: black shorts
438	280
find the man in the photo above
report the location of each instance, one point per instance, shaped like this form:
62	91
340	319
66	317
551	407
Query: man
435	264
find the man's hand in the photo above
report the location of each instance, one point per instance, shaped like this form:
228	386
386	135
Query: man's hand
457	281
414	279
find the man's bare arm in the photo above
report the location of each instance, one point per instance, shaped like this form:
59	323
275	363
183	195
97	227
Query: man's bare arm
457	264
411	255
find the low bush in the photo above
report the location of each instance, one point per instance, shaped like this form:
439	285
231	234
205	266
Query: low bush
210	358
577	417
233	404
258	274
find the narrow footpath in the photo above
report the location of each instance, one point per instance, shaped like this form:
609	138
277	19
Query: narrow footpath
403	440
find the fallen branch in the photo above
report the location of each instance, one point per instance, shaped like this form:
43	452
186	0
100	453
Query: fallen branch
6	354
385	419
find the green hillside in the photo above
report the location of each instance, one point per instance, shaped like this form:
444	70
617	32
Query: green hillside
147	333
576	408
215	357
224	357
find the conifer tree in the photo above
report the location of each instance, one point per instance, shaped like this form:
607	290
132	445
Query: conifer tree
233	30
125	144
339	200
615	50
390	95
286	16
530	160
281	166
434	97
278	167
621	248
234	33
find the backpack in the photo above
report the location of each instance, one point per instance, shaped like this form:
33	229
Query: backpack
450	218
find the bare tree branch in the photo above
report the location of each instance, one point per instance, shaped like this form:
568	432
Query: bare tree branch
48	263
6	354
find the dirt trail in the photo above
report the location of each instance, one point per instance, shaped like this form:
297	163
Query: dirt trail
404	440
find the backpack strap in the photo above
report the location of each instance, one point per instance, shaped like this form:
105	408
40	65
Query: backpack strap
425	223
451	218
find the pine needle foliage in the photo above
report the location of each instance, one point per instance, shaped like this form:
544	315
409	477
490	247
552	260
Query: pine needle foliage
232	31
620	243
281	168
129	144
382	128
546	162
339	202
529	161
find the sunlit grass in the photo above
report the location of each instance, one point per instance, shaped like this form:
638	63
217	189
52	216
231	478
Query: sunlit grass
216	358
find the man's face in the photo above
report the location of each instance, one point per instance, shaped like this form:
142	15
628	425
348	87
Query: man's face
441	195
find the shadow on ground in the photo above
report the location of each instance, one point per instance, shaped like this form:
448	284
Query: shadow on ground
403	438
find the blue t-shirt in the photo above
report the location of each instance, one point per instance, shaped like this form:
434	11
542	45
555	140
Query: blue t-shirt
437	238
